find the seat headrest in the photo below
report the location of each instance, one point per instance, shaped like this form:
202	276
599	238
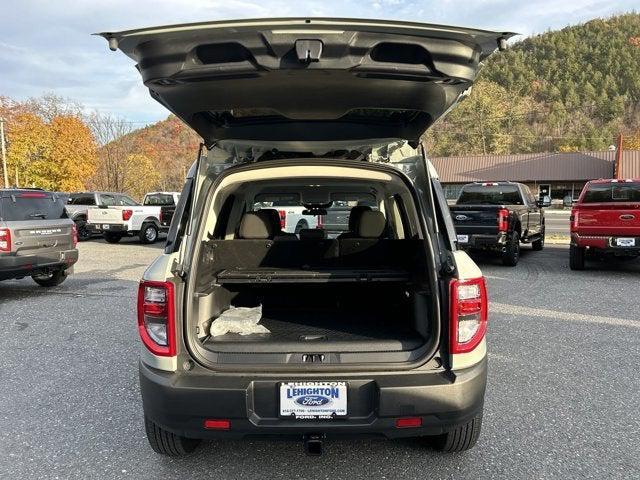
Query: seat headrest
254	226
354	216
372	224
272	216
312	234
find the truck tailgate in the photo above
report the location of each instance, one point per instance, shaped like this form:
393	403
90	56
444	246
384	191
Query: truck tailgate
111	215
608	219
475	219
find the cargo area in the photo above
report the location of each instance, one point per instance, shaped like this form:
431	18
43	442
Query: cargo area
359	294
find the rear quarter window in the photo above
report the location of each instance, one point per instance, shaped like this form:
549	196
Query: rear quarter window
32	206
612	192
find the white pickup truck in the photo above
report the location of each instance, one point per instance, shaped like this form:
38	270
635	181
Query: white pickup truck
144	221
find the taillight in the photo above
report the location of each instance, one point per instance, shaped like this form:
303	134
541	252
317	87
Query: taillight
127	214
468	314
283	219
156	317
5	240
503	220
74	235
574	219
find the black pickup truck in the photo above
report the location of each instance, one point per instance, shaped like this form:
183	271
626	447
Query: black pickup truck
167	202
498	216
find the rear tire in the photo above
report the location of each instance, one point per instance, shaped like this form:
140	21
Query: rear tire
148	233
576	257
538	244
83	232
511	255
112	237
52	279
167	443
461	438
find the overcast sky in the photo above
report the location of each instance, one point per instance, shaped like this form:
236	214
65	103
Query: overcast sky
45	46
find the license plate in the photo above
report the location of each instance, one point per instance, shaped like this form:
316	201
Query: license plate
313	400
626	242
105	227
463	238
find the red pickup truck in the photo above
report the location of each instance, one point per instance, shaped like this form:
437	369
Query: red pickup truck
606	220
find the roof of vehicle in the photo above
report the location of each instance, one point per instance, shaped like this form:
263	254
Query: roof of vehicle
162	193
12	191
506	182
615	180
96	192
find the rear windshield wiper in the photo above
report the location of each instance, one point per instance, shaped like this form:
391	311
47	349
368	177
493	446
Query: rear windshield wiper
38	215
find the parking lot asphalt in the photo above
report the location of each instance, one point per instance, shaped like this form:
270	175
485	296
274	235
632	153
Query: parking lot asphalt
563	399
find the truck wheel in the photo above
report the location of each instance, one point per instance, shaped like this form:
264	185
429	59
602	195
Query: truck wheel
538	244
148	233
461	438
83	231
50	279
576	257
511	255
112	237
302	224
167	443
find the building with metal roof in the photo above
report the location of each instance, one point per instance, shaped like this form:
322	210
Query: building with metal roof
560	176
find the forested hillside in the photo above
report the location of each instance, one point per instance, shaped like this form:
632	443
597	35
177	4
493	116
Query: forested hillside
571	89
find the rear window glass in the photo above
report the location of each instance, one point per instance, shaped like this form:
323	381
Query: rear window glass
490	195
32	206
330	213
161	199
612	192
81	199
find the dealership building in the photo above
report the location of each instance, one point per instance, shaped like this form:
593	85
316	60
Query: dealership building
558	175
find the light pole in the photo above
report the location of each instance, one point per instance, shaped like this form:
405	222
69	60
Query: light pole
4	154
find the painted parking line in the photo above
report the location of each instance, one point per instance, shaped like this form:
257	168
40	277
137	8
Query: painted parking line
560	315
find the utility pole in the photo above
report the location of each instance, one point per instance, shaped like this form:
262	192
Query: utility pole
4	154
618	168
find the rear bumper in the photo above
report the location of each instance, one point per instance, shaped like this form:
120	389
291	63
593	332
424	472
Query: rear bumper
491	241
180	403
111	227
13	266
605	243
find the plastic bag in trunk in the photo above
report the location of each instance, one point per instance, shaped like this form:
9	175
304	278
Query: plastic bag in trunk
240	320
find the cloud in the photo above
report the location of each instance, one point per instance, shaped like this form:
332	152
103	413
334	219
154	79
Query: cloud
47	47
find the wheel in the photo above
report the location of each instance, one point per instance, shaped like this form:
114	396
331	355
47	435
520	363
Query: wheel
148	233
83	231
50	279
302	224
460	439
167	443
576	257
511	255
112	237
538	244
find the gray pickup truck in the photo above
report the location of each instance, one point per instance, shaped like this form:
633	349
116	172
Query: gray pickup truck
37	238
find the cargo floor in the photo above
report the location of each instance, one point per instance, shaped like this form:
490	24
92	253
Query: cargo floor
322	331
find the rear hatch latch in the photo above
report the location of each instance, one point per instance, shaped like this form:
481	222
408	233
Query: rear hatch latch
308	50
